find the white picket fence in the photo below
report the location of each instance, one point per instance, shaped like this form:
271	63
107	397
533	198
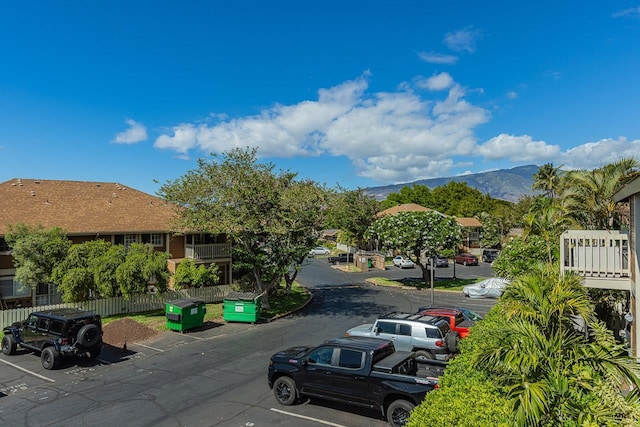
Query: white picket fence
120	305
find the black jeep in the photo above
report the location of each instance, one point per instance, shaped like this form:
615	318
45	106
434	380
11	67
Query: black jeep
56	333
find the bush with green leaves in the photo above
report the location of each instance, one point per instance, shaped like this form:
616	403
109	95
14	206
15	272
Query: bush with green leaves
519	256
190	275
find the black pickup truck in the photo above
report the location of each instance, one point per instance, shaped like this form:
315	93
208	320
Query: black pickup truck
362	371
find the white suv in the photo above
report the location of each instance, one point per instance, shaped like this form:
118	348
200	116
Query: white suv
430	337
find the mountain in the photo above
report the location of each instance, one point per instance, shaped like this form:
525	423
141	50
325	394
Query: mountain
503	184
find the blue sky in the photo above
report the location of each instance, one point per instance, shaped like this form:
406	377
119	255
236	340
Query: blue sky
359	94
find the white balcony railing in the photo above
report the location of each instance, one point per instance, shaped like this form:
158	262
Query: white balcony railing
208	252
596	254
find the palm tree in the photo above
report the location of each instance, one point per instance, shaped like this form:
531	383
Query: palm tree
552	369
588	195
548	179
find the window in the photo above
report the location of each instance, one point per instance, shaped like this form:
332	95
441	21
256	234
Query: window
387	327
321	356
43	324
404	330
154	239
125	239
351	359
433	333
56	327
4	247
12	288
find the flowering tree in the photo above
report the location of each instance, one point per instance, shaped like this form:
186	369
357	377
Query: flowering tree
416	235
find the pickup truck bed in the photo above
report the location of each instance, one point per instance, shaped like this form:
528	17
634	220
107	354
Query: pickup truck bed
359	371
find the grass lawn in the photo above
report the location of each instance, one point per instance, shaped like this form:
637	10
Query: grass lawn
440	284
279	303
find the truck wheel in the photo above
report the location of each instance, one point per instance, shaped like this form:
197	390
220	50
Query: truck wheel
423	356
284	389
398	412
89	335
50	358
95	351
452	338
9	344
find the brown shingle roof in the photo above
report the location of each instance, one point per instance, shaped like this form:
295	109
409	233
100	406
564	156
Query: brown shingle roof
468	222
407	207
81	207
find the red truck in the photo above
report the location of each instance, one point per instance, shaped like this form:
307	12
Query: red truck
460	319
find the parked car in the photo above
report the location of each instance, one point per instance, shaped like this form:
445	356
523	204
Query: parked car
466	259
54	334
403	262
430	337
488	288
344	257
320	250
490	255
366	372
441	261
460	319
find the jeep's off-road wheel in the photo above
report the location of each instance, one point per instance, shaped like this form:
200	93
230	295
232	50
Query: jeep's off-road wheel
95	351
423	356
50	358
89	335
452	338
398	412
9	344
284	390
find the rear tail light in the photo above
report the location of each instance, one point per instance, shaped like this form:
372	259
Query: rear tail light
63	341
440	343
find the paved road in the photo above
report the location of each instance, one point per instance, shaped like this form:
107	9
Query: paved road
213	377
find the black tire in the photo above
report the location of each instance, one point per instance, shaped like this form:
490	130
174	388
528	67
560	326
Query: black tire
94	351
89	335
9	344
50	358
284	390
398	412
452	339
423	356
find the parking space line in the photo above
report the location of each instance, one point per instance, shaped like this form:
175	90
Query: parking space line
20	368
317	420
150	348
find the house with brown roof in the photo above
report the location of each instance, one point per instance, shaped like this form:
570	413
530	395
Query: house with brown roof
97	210
471	227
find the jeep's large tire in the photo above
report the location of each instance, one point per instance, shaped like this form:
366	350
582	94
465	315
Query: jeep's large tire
284	390
452	339
9	344
50	358
89	335
94	351
398	412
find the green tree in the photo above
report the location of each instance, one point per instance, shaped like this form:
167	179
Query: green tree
104	270
142	266
36	251
249	201
416	193
553	370
547	180
588	194
520	254
352	212
75	275
547	219
416	235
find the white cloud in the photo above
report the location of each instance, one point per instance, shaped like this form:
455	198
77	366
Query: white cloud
512	95
633	12
437	82
136	133
596	154
387	135
463	40
518	149
437	58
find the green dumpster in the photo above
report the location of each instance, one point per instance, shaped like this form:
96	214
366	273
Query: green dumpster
242	307
183	314
369	262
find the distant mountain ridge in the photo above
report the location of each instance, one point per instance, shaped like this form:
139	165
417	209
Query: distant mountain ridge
503	184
